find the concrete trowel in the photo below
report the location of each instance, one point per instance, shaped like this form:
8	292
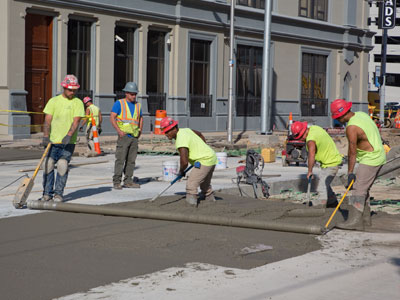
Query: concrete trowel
26	185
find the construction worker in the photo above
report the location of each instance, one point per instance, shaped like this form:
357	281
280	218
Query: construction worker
91	111
63	114
365	146
126	118
321	148
193	149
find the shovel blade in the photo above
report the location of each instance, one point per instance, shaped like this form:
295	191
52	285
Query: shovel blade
23	192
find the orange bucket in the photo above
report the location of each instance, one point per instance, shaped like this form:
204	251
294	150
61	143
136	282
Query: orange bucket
160	114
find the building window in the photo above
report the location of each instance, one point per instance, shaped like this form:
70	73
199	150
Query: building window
248	80
123	58
314	9
389	58
313	85
78	62
199	85
155	71
252	3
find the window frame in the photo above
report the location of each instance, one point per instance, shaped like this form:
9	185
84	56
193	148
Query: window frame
327	55
310	12
87	82
132	30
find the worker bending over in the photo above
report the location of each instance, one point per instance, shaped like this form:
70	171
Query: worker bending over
193	149
365	146
321	148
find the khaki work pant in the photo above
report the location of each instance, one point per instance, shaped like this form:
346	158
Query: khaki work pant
125	158
365	177
324	189
200	177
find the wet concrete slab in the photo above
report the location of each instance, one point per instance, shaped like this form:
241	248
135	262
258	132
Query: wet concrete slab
55	254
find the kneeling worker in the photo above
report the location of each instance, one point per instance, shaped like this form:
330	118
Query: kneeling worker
321	148
192	148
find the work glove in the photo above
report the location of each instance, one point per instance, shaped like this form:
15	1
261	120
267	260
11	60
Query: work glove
81	129
99	130
45	141
350	178
66	139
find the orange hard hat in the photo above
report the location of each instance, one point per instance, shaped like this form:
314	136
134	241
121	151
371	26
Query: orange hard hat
339	107
167	124
298	129
70	82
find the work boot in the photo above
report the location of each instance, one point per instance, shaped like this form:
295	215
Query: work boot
58	198
132	185
367	215
117	186
354	220
332	204
191	199
210	198
45	198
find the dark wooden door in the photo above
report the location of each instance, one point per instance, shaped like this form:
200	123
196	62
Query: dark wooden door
38	65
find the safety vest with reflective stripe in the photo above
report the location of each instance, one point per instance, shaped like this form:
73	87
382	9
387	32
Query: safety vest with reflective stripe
125	121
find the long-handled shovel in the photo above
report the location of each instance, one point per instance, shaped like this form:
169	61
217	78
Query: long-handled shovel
27	184
172	182
309	191
337	207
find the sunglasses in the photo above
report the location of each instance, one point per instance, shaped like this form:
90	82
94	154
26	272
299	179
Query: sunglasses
132	94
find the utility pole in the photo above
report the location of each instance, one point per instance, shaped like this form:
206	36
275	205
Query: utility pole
266	72
383	77
387	20
231	66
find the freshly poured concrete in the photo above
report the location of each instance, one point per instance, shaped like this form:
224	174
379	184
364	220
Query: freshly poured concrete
56	254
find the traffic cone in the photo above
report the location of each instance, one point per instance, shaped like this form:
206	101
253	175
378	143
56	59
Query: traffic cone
290	122
95	137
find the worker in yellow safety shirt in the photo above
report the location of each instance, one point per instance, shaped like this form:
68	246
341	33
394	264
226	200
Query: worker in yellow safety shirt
126	118
193	149
365	147
91	111
322	149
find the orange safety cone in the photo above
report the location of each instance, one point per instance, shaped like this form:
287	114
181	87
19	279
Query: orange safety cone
160	114
290	122
95	137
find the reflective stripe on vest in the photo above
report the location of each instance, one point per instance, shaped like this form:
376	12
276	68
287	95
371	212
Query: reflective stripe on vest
123	116
126	122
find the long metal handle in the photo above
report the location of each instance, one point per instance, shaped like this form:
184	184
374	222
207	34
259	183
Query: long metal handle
337	207
172	182
41	160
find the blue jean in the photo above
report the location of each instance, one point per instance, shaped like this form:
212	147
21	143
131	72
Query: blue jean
57	153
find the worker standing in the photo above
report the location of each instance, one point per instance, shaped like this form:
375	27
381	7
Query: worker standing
193	149
91	111
321	148
365	146
63	114
126	118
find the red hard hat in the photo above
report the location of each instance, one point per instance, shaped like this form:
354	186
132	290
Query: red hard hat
167	124
87	99
298	129
70	82
339	107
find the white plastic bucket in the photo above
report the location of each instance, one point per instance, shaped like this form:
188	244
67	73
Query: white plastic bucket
222	159
170	170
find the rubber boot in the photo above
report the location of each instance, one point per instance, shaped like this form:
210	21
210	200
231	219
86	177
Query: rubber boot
367	215
210	198
354	220
191	199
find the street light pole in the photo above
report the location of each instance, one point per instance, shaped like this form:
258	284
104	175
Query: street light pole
231	66
383	80
266	72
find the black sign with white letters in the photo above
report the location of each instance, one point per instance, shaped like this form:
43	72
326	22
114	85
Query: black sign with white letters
387	14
